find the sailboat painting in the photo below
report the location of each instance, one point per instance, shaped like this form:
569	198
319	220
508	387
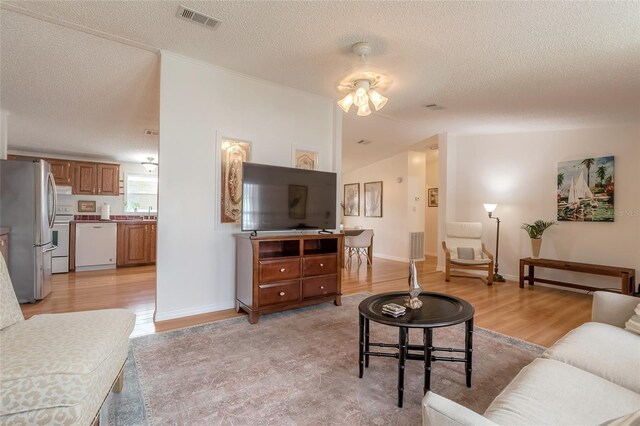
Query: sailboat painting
586	190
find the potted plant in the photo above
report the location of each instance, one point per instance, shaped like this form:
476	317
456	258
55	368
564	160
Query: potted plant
535	231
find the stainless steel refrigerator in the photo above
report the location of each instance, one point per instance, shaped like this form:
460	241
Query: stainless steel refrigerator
28	207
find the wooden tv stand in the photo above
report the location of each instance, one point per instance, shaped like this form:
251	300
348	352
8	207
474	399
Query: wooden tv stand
279	272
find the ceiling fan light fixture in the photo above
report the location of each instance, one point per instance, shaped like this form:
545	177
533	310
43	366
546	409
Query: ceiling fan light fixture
361	97
362	86
346	102
377	99
149	165
364	110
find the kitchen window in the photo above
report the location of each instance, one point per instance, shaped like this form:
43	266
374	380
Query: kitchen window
141	192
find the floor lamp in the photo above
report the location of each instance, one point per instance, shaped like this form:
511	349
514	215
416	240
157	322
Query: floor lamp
490	208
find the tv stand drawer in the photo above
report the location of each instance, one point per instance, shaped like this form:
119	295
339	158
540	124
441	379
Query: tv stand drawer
273	294
279	270
322	286
275	273
319	265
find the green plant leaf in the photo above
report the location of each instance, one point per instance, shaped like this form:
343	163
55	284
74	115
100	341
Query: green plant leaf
537	228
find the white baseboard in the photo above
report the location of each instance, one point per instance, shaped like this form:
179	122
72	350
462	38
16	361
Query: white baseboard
187	312
484	274
95	267
386	256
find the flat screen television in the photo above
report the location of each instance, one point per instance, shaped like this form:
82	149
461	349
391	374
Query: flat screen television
283	198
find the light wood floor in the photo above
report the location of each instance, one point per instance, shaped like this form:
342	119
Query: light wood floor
537	314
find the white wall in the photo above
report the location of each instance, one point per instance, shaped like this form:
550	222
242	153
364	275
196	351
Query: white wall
447	189
199	104
401	213
518	171
431	213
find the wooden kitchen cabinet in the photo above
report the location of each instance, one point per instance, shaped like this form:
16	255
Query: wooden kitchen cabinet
85	178
96	179
152	244
62	171
136	244
108	177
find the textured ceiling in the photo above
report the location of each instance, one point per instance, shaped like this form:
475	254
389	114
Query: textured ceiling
69	92
495	66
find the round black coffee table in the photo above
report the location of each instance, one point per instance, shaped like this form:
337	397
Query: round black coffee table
438	310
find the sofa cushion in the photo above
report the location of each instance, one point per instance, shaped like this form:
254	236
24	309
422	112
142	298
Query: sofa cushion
631	419
604	350
62	366
440	411
554	393
633	323
10	312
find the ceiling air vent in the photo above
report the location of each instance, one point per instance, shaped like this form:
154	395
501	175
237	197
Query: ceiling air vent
434	107
200	18
363	142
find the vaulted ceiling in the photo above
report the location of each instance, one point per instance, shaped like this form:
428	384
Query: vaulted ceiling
495	66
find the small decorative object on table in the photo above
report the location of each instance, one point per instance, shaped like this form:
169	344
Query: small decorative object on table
535	231
412	301
394	310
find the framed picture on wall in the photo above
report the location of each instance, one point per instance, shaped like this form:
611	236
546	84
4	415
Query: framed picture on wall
432	197
233	154
304	158
86	206
373	199
352	199
586	190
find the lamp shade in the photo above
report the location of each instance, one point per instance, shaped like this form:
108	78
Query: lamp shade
361	97
489	207
364	110
346	102
377	99
149	165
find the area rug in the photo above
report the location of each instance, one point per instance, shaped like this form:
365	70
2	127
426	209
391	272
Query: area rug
298	368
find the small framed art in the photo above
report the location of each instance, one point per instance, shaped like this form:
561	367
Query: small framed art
432	197
86	206
352	199
373	199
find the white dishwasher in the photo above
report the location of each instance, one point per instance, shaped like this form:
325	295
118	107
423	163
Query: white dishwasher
96	246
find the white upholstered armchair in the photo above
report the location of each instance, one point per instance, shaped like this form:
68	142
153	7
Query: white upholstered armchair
464	249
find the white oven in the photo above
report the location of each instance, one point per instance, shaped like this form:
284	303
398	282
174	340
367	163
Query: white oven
60	238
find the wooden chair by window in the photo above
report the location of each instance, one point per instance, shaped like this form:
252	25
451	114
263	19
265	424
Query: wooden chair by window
464	249
357	245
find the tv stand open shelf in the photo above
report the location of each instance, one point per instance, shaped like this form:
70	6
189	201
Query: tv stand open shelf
279	272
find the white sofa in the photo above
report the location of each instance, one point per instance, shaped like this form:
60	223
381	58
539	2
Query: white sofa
590	376
58	369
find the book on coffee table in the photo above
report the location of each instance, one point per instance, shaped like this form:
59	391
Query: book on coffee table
393	309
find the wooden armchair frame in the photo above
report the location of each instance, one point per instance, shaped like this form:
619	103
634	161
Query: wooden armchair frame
460	264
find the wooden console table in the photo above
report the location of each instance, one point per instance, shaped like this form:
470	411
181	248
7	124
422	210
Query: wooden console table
626	275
